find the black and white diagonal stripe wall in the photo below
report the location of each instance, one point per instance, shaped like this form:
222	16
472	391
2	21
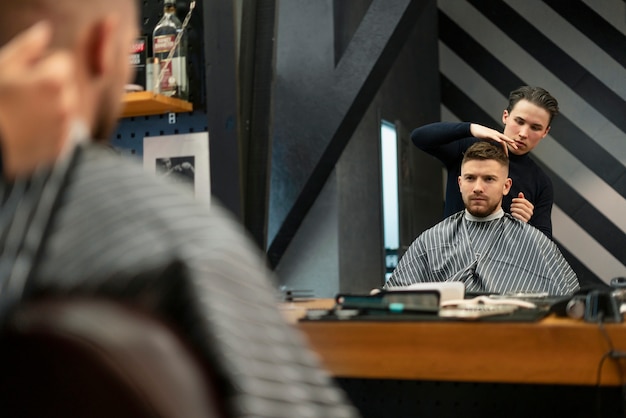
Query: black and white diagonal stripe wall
577	51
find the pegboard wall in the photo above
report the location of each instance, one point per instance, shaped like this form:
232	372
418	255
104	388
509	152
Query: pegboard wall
128	139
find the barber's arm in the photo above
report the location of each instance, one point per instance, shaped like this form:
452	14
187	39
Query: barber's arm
37	101
542	215
488	134
443	140
448	140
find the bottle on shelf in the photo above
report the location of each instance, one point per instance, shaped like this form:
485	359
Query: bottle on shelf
174	81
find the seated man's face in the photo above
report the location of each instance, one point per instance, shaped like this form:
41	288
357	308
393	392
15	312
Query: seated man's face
482	184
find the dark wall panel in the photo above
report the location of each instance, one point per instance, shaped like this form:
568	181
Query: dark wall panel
319	105
408	96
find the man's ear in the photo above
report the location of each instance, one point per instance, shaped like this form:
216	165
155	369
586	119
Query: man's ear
546	132
507	186
458	180
505	116
100	46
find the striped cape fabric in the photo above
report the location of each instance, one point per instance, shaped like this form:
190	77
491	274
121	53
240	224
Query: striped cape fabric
503	255
116	232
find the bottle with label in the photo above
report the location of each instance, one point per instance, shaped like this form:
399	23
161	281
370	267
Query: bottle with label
175	82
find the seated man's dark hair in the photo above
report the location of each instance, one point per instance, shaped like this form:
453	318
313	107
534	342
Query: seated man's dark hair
483	150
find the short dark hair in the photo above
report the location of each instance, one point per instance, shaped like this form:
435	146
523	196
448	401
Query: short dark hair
537	96
483	150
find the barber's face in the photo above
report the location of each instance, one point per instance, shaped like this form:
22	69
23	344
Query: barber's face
483	183
527	124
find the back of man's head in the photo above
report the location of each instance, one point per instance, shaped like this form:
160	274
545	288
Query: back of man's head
97	35
65	16
483	150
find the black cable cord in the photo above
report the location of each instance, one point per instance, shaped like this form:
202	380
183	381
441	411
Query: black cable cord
600	364
606	354
611	353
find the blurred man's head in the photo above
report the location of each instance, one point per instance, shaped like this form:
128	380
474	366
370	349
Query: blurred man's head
98	34
484	178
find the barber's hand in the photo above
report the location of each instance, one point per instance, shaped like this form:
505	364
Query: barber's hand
38	100
488	134
521	208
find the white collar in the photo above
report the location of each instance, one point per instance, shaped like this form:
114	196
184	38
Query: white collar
496	215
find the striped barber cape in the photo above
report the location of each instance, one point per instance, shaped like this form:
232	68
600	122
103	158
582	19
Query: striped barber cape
102	227
502	255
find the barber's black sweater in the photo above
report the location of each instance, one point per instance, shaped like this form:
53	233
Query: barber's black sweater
447	141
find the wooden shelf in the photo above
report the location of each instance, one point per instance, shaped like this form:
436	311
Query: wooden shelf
146	103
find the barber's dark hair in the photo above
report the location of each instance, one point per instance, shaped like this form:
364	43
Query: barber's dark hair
483	150
537	96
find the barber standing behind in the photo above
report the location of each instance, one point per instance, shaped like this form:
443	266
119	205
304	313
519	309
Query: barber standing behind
527	121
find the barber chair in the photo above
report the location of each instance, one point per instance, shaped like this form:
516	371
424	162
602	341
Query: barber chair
88	358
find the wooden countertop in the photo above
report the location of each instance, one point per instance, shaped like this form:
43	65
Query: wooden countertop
552	351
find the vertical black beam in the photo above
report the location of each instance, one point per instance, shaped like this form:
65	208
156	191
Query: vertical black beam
326	117
346	21
221	97
258	34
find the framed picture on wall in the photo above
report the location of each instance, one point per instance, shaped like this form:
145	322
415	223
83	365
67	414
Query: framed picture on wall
182	158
